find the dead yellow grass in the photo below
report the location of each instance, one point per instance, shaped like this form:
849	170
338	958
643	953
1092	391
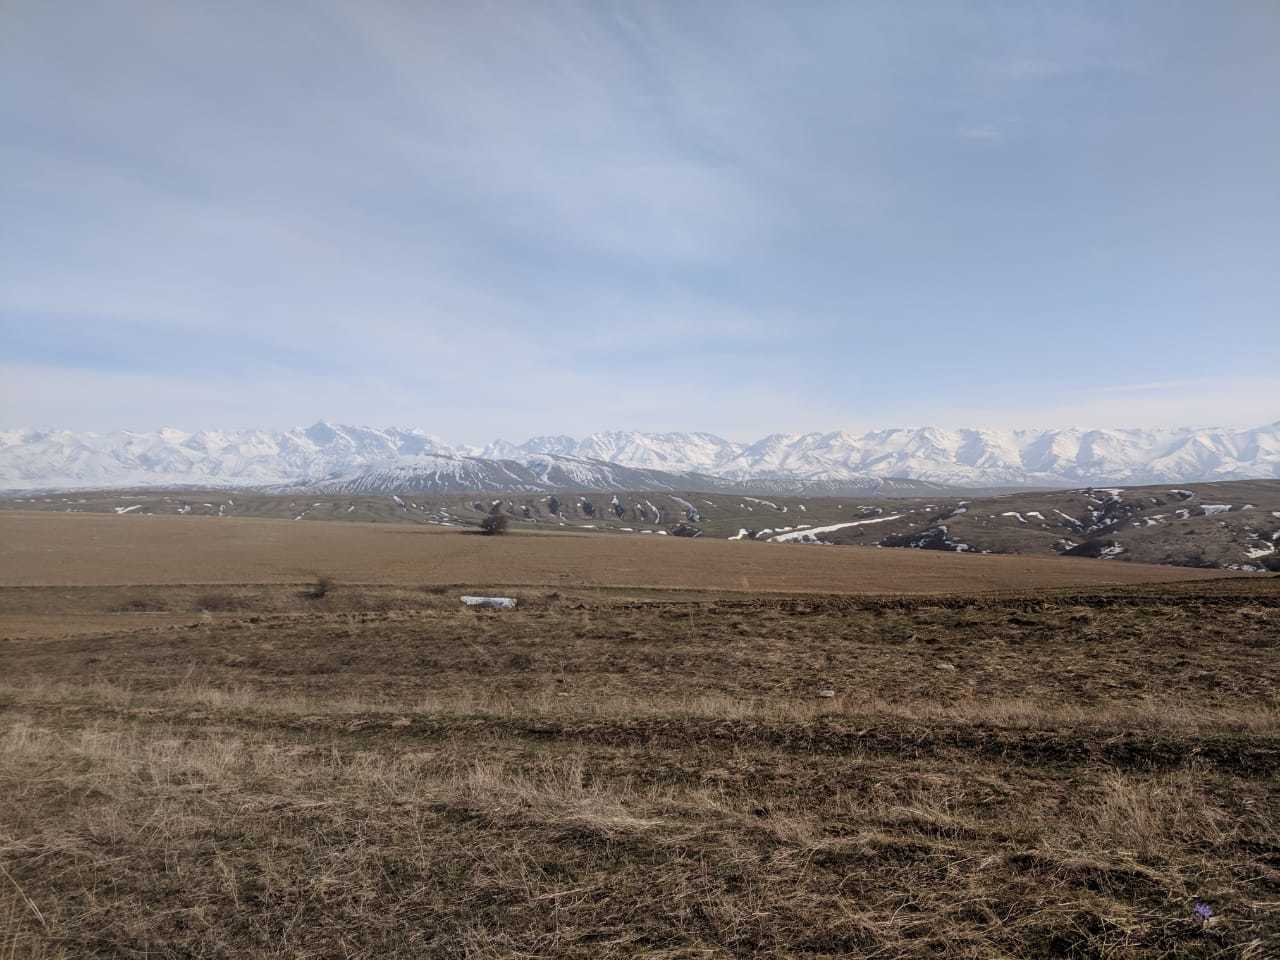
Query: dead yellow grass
1144	816
249	807
1017	713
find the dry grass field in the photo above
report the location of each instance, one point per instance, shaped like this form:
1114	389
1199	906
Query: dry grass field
650	762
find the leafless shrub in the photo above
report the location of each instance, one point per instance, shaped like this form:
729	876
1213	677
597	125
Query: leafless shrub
495	524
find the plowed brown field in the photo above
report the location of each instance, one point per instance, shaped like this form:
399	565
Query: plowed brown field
93	549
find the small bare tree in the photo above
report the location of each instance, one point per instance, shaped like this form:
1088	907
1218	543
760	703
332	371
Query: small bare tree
494	524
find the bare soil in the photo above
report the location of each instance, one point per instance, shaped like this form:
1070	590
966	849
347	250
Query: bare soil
96	549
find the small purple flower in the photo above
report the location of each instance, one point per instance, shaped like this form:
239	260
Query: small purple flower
1203	911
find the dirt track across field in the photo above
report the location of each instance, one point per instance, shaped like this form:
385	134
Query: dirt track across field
97	550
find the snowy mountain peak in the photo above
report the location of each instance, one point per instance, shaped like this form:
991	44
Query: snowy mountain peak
970	457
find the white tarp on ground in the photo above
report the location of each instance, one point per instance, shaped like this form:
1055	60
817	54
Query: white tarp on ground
501	603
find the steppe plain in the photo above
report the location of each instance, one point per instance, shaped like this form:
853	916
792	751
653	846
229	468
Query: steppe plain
226	737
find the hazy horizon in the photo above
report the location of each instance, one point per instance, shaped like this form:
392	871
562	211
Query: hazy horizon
461	442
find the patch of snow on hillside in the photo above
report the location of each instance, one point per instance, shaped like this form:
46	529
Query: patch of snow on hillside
808	535
1014	513
1211	508
122	510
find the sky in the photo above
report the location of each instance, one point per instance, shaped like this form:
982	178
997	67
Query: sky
519	218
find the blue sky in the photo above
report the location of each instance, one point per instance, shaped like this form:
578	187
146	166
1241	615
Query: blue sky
518	218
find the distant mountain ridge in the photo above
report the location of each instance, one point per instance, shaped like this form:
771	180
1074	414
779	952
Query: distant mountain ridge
961	457
901	460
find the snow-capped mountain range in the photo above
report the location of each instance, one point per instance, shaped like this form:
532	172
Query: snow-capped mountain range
351	457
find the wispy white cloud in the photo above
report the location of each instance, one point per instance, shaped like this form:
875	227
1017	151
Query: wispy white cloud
986	131
1161	386
1028	67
